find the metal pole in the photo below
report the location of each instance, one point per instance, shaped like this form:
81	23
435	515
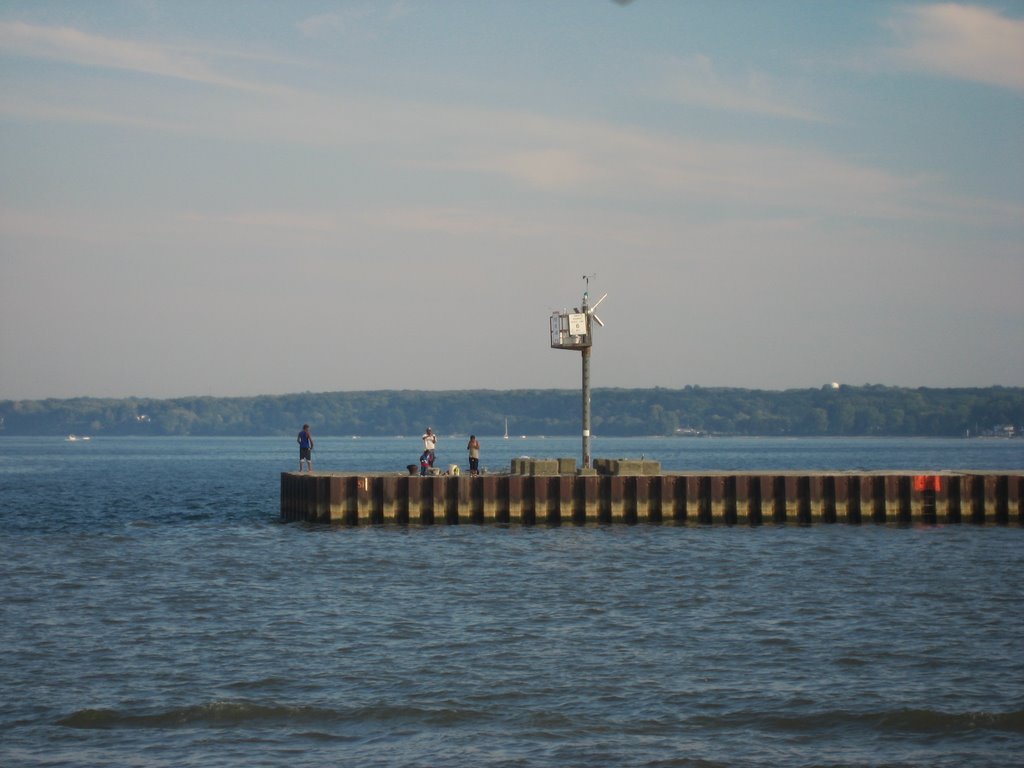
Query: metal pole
586	384
586	407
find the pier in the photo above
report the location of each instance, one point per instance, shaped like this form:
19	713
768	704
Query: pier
631	492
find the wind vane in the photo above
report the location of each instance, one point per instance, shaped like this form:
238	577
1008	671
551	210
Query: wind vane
574	331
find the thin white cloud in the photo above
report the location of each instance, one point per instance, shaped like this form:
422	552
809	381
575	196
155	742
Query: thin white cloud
966	42
365	18
341	225
696	82
73	46
590	159
544	168
326	24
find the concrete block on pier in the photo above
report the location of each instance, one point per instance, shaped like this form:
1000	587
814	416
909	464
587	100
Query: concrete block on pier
544	467
566	466
530	466
627	467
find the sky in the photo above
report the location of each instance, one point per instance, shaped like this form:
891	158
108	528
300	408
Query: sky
245	198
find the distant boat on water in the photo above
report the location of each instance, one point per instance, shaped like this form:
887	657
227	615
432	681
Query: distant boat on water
506	427
76	438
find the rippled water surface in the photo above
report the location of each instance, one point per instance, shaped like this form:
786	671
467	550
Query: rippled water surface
156	613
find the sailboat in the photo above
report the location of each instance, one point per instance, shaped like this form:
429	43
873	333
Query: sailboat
506	427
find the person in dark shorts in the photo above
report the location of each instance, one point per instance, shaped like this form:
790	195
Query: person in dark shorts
473	446
305	441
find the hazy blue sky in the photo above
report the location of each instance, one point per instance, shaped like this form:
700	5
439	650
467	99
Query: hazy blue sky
236	198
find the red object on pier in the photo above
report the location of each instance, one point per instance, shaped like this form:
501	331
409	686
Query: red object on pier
927	483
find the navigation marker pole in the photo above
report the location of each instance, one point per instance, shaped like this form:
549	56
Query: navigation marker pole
573	330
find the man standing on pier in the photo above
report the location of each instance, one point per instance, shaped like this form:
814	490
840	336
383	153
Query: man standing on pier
429	446
305	441
473	446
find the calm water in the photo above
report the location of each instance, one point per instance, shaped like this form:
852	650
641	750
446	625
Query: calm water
156	613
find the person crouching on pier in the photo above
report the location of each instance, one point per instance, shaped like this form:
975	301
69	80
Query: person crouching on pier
305	441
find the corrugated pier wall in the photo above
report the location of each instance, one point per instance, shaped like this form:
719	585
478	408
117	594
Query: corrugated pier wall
711	499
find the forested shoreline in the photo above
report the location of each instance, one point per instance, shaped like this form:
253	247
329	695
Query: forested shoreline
828	411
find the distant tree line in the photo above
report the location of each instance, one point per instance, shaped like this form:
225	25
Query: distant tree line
847	410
